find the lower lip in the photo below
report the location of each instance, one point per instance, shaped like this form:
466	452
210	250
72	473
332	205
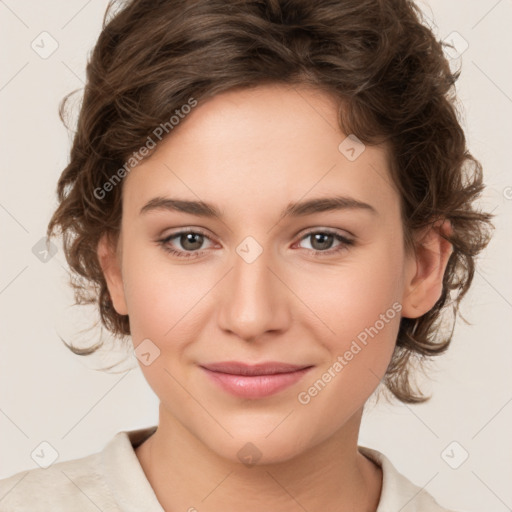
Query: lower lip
255	386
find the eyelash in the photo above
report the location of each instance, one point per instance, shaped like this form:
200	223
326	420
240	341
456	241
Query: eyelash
345	243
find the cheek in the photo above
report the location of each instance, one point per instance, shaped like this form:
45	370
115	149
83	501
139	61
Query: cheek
161	297
163	301
361	305
357	304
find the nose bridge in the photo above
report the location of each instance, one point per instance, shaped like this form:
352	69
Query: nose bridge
253	301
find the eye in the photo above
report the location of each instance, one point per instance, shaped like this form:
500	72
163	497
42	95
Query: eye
322	241
189	242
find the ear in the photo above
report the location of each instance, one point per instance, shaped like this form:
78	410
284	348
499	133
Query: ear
425	270
110	263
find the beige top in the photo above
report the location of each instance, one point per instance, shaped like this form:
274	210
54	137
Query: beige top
113	480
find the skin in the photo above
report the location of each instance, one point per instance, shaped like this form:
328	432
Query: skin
250	153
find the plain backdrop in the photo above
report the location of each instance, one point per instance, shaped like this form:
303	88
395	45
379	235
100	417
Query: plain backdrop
49	394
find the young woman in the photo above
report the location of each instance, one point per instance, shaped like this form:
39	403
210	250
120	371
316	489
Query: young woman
273	201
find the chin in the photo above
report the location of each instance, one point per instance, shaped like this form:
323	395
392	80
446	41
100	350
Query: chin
251	447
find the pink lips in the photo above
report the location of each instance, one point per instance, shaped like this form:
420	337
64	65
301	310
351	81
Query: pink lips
254	381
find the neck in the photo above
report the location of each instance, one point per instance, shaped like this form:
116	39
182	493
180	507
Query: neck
187	475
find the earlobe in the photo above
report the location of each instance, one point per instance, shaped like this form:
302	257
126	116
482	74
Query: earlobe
424	279
111	267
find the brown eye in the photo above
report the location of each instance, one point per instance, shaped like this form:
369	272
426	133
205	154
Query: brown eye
326	242
321	241
191	241
186	244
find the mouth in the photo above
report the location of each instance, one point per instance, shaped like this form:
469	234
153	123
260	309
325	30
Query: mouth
254	381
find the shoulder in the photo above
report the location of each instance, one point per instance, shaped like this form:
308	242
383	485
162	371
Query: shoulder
76	485
398	492
111	479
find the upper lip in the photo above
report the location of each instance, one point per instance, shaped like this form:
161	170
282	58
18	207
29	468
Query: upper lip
267	368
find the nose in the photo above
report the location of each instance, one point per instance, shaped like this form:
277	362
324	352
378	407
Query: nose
254	300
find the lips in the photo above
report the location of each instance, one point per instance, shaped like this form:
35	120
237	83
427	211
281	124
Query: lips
236	368
254	380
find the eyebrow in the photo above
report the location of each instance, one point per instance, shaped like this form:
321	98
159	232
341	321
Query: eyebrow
296	209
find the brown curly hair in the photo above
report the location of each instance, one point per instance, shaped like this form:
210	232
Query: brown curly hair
377	57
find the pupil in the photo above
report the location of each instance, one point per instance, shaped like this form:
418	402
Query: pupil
191	241
324	239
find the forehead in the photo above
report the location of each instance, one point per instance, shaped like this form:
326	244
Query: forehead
268	146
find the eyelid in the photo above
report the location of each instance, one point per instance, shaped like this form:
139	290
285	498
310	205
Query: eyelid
186	229
346	235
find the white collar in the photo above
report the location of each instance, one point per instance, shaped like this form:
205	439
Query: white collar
122	467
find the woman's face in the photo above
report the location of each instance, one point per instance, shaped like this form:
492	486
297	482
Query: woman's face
285	247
